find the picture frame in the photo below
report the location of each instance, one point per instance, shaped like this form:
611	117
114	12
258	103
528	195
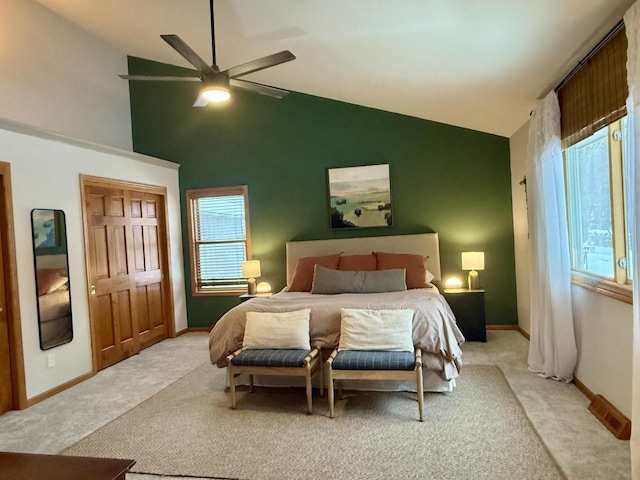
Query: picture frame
360	197
46	229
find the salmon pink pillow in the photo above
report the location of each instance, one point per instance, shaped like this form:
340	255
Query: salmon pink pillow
48	279
303	275
358	263
415	265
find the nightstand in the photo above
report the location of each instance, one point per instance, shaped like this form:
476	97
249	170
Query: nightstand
468	307
247	296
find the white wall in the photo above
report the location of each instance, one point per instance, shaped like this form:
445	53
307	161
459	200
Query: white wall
604	334
518	149
603	326
59	77
45	173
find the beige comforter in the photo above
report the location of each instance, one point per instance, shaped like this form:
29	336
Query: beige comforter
434	325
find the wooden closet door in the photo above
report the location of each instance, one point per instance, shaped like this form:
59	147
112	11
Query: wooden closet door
148	254
6	389
113	302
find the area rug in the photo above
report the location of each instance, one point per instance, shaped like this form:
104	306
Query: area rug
478	431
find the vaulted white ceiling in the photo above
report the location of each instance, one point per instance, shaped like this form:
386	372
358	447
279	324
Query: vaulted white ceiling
476	64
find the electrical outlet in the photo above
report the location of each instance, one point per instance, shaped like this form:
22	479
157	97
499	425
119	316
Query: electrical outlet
51	360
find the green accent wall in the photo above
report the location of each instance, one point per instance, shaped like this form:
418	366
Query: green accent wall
444	179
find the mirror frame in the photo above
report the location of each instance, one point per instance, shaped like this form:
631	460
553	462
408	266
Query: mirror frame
56	244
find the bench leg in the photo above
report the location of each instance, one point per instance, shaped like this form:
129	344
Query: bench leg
251	383
420	383
321	378
330	393
309	389
232	386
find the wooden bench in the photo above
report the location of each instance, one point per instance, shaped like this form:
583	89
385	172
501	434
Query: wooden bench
275	362
375	365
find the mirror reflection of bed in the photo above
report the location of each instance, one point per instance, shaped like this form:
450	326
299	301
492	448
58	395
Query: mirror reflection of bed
52	280
434	327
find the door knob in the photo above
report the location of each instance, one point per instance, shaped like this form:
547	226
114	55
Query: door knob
93	289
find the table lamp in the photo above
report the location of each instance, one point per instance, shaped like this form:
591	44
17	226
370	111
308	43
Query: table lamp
473	261
251	270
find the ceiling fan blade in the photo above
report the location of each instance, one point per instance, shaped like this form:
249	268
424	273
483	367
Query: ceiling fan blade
192	57
260	64
258	88
160	78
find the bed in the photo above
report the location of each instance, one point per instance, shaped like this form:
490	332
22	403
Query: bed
434	325
54	306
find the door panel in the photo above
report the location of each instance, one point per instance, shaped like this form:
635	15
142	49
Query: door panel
101	259
143	312
148	260
123	302
111	299
127	251
104	321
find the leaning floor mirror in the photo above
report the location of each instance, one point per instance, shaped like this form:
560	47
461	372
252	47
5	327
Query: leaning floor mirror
52	277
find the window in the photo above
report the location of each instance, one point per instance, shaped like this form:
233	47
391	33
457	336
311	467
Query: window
599	235
594	140
218	239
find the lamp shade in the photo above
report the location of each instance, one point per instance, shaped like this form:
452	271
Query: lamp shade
251	269
472	260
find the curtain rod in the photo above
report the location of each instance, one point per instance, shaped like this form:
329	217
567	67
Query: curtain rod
589	55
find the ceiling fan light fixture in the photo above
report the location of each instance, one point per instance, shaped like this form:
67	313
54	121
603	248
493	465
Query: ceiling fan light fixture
216	94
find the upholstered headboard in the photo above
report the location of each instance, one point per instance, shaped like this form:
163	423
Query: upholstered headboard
421	244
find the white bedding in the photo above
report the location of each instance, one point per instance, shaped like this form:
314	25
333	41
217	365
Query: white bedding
54	305
434	325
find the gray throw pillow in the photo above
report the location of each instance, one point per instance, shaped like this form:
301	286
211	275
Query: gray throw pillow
327	281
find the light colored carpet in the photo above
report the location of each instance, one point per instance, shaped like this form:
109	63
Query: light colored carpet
479	431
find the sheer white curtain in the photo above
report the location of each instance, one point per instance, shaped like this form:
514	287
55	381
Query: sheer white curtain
632	27
552	350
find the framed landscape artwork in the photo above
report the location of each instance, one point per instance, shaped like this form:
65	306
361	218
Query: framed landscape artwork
360	197
45	228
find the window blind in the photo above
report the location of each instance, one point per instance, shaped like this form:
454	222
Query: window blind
220	239
595	95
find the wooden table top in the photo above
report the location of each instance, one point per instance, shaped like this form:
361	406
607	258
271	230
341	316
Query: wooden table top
32	466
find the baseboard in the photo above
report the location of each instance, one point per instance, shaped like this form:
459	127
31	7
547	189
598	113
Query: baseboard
524	333
583	388
193	329
509	327
611	417
60	388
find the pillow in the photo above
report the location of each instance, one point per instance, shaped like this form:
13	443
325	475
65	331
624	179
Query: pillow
48	280
281	330
376	330
303	274
360	263
430	276
327	281
57	284
416	266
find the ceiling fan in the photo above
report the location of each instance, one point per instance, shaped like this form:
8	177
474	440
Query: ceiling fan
216	82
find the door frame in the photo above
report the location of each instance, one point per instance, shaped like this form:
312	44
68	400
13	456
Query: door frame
92	181
12	307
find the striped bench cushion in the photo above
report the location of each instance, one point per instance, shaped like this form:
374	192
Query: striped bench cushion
270	357
374	360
